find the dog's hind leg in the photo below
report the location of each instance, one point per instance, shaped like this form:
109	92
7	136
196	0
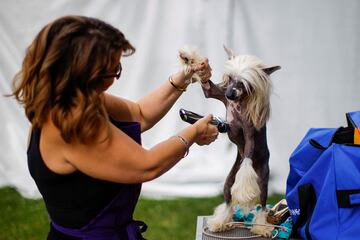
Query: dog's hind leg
245	190
231	179
261	226
223	214
263	184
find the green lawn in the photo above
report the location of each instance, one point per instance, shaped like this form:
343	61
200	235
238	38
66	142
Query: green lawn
24	219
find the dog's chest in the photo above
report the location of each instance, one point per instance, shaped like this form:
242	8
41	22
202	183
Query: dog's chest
234	118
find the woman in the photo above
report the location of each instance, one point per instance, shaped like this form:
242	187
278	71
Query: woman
85	151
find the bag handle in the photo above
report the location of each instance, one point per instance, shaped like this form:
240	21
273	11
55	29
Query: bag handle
307	202
333	135
348	198
342	135
321	137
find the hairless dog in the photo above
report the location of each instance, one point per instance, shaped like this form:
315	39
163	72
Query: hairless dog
245	92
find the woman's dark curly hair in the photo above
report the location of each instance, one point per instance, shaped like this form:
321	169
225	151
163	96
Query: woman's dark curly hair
60	75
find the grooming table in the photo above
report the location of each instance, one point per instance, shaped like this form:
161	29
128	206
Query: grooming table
237	233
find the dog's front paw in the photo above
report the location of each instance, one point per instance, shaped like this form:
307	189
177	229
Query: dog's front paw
189	55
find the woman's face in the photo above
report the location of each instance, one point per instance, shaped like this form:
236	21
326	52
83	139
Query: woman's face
115	72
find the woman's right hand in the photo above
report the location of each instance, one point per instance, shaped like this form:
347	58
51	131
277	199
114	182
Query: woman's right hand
206	133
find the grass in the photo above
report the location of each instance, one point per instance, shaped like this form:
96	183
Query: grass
26	219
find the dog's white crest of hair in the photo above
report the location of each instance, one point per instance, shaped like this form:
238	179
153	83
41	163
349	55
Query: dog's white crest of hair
261	226
257	83
222	215
245	190
189	55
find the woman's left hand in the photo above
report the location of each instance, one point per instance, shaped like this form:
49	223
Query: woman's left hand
204	71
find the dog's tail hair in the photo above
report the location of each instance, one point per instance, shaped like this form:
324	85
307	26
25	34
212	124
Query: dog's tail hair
245	190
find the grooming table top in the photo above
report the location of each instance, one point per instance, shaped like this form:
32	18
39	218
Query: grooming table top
237	233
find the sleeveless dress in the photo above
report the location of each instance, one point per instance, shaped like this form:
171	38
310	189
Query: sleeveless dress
82	207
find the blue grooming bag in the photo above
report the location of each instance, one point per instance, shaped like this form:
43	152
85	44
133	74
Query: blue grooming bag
323	186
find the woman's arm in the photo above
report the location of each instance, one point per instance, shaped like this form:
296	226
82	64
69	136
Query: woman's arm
148	110
151	108
120	159
155	105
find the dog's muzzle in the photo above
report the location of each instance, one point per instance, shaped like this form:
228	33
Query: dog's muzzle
231	93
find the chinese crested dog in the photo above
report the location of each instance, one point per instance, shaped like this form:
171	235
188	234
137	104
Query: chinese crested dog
245	91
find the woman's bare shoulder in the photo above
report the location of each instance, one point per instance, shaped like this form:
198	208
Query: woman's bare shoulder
114	156
52	148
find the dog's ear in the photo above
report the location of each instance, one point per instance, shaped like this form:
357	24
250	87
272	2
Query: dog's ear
270	70
229	52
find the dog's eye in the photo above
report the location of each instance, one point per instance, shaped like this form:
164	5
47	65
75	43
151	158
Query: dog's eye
226	79
241	85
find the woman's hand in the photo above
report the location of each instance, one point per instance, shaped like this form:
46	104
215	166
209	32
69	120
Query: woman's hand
204	71
183	77
206	133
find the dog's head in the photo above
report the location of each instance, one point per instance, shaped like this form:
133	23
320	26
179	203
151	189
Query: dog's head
247	80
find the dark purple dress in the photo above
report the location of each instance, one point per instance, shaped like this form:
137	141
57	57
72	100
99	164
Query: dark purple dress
81	207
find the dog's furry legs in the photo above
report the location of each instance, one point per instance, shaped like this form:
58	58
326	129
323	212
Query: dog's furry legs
222	215
260	224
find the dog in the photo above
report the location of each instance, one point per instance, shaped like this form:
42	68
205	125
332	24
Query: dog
245	91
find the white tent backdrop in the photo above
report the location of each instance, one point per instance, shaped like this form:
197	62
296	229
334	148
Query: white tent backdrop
315	42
